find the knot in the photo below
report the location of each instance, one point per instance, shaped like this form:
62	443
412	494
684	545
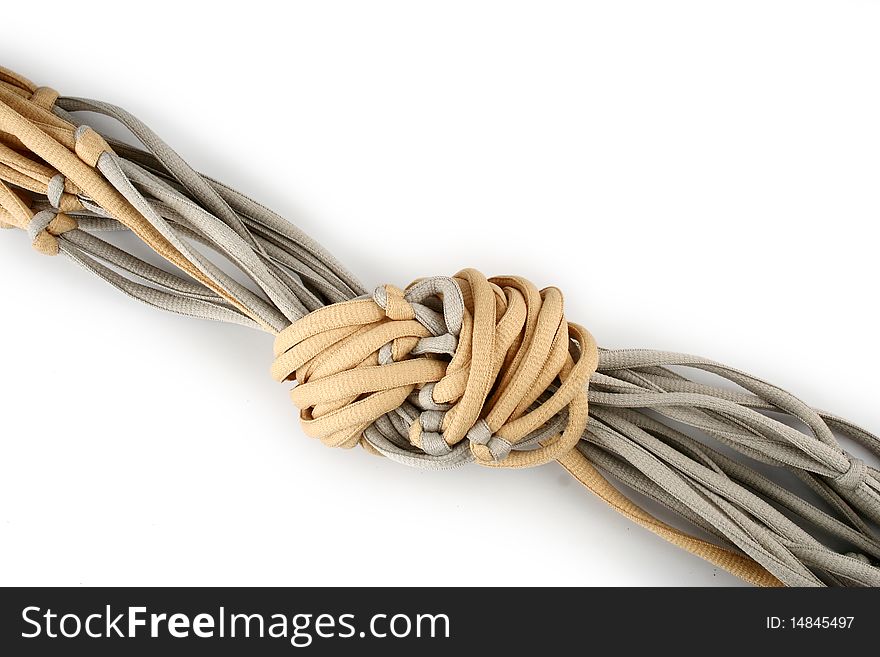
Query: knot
62	194
485	445
44	228
391	299
89	145
448	370
854	476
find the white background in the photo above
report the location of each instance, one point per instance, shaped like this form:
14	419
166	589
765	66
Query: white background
699	177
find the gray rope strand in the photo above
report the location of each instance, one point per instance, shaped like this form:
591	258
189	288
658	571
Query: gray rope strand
763	522
747	430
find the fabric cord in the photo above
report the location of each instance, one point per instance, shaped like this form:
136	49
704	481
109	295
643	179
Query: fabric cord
451	370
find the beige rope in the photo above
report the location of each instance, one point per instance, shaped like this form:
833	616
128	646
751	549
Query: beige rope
736	564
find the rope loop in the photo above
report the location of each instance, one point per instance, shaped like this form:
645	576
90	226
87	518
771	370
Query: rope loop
854	477
45	227
487	365
89	145
44	97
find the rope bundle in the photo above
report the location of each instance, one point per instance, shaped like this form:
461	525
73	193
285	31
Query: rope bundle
453	370
374	369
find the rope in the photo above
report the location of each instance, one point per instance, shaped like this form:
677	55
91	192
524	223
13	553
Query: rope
481	353
451	370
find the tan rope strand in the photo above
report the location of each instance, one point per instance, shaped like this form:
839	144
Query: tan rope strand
734	563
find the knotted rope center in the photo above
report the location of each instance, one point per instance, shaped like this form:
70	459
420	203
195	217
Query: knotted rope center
451	369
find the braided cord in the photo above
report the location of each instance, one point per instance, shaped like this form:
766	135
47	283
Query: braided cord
450	370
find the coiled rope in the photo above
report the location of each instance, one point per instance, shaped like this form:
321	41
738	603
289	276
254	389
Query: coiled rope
450	370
